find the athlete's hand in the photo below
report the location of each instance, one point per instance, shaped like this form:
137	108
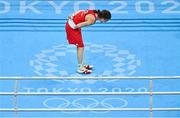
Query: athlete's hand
70	17
76	27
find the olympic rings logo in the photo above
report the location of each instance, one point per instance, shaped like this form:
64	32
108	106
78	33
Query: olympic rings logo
85	103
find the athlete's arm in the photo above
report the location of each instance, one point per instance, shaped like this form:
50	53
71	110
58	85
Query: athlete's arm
89	21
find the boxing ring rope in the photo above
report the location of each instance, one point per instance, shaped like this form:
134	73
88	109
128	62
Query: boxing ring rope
87	109
150	93
92	78
89	93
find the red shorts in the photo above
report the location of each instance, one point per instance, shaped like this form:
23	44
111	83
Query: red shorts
74	36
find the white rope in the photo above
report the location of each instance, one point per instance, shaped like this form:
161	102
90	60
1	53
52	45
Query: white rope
89	93
91	78
15	93
88	109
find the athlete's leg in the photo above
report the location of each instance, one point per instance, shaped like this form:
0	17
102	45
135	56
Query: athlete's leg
80	54
81	68
87	66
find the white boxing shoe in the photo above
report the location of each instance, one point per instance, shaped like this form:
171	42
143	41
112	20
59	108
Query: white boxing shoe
89	67
83	70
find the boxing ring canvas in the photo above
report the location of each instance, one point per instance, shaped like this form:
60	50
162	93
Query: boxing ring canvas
136	58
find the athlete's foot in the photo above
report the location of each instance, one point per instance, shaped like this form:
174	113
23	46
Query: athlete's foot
82	70
89	67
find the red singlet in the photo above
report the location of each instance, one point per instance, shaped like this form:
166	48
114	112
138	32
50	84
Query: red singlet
74	36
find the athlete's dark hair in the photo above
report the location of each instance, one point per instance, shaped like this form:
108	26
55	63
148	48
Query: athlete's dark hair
103	14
